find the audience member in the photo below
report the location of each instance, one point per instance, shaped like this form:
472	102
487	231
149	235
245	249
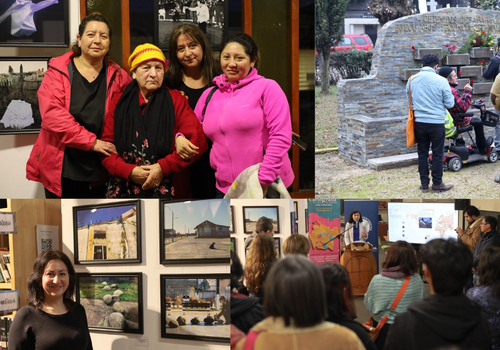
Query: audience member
401	261
446	317
259	261
487	294
489	237
296	244
245	311
295	306
263	225
340	302
472	234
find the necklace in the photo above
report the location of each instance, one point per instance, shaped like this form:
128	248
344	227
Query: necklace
88	70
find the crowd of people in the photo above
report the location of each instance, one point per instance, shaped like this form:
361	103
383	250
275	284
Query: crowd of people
184	127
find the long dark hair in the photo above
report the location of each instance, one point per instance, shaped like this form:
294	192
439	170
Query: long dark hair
208	66
489	269
34	294
339	298
94	16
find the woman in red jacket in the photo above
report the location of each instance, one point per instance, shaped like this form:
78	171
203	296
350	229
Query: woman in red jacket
147	119
75	96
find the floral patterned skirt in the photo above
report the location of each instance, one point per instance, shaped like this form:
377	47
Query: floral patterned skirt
117	187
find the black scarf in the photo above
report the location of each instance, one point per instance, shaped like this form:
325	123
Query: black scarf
143	139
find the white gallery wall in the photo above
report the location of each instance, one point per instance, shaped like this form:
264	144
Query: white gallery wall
151	269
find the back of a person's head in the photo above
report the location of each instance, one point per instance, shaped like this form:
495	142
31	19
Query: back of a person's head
489	269
296	244
430	60
339	298
264	224
401	254
472	211
236	271
449	263
295	291
491	221
260	255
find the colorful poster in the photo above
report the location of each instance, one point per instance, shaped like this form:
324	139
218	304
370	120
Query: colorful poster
323	230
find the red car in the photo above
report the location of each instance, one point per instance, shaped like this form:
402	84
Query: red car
356	41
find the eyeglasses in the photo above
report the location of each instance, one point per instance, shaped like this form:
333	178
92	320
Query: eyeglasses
483	223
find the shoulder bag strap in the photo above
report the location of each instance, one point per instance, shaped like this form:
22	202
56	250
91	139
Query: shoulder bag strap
409	92
209	97
250	340
401	292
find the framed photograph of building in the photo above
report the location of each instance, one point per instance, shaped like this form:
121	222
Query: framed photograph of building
112	302
196	307
195	232
20	78
209	15
252	214
108	233
34	23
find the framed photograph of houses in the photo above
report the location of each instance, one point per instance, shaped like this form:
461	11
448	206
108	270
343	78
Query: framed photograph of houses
196	307
20	78
108	233
209	15
252	214
34	23
113	302
195	232
277	246
231	220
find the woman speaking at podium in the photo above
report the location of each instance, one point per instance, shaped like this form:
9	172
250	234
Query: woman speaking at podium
355	229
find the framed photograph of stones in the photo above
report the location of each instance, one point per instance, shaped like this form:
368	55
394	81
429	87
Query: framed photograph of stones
252	214
108	233
34	23
196	307
195	232
20	78
112	301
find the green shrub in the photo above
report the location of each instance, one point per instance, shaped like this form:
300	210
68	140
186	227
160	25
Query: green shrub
351	64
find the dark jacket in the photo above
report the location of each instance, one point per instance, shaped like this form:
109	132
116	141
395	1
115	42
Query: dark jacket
357	328
492	70
439	321
245	311
483	296
490	239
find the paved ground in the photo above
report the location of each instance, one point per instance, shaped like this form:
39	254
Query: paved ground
198	248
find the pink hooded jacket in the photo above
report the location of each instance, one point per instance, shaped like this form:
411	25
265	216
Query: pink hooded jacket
59	128
248	122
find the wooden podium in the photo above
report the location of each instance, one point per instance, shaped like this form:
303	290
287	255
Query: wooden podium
360	263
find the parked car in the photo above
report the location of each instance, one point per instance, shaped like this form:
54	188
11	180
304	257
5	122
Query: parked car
356	41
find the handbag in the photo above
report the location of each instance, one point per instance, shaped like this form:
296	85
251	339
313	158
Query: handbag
374	332
410	123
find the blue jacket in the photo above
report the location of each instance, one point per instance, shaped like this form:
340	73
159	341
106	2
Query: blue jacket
431	95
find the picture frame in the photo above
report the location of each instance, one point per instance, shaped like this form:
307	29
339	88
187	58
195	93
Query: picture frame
195	232
109	233
171	13
195	297
34	23
253	213
277	246
113	302
296	209
233	244
20	78
231	219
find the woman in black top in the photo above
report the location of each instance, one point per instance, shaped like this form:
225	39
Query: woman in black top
192	69
52	320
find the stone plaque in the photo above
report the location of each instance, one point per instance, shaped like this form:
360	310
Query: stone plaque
471	71
419	53
481	52
405	74
458	59
481	88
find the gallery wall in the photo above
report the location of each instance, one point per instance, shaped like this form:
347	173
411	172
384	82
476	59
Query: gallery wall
151	269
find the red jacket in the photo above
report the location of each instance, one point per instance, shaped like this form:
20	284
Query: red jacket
59	128
186	123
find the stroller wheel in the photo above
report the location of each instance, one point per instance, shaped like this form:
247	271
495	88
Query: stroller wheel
455	164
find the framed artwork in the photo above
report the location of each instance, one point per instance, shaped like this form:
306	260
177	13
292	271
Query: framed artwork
112	301
196	307
252	214
108	233
231	220
296	209
34	23
277	247
293	222
20	78
209	16
233	244
195	232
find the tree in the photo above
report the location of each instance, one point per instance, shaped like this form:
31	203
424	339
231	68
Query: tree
486	4
329	20
388	10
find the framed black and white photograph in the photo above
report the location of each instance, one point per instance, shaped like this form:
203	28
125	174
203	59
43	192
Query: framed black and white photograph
113	302
195	232
20	78
196	307
209	15
34	23
252	214
108	233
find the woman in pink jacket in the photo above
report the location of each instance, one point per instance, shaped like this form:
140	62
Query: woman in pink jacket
247	119
75	95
